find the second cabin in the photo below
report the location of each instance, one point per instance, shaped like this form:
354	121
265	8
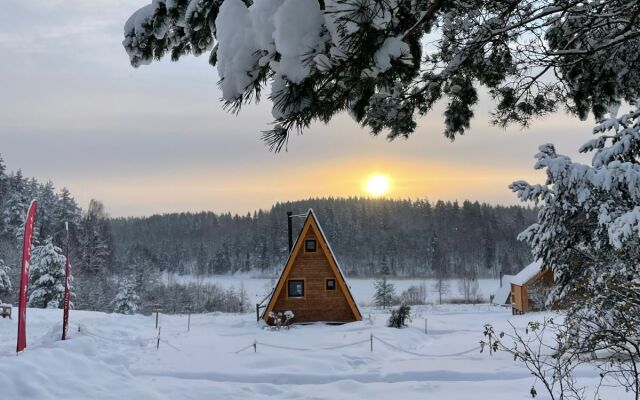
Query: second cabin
312	285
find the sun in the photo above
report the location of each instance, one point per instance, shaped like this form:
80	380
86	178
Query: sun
377	184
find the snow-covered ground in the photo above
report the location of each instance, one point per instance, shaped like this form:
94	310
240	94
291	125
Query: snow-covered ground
362	289
113	356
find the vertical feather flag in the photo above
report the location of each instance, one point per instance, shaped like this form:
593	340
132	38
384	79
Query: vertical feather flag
67	289
24	276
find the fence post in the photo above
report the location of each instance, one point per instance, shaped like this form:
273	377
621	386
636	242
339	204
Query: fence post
156	309
371	340
255	346
189	319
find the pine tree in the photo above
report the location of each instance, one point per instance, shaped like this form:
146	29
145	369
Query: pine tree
126	301
47	276
370	57
15	207
5	282
95	239
66	212
385	293
588	228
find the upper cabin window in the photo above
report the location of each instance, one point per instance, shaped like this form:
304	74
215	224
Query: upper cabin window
310	246
331	284
295	288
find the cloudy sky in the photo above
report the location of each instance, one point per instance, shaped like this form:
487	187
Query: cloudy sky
156	139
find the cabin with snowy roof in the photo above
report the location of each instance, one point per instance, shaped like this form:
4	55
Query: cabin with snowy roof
312	285
533	276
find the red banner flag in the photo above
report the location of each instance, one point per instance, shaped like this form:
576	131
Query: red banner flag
67	291
24	277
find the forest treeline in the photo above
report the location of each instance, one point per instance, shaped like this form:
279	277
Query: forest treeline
370	237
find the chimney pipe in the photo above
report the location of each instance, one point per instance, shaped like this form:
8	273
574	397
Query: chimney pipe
290	230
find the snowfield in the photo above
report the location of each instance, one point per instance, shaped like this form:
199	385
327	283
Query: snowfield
361	288
111	356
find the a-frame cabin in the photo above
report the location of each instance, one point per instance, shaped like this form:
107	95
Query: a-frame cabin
312	285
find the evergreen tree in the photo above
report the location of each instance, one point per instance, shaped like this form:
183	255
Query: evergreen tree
588	229
66	212
126	301
5	282
385	293
370	57
15	208
47	276
95	239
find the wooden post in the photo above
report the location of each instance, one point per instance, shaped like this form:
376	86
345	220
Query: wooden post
158	342
189	319
156	309
255	346
371	338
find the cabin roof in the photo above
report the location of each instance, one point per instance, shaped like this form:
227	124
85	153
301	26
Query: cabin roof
527	273
274	292
502	295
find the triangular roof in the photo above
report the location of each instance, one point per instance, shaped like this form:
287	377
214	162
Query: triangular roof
311	222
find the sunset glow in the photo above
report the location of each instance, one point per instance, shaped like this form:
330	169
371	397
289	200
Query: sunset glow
377	185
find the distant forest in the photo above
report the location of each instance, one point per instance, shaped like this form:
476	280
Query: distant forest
369	237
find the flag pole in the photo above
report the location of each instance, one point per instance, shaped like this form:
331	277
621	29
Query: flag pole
67	289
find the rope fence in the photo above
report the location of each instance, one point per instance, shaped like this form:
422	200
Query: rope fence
370	341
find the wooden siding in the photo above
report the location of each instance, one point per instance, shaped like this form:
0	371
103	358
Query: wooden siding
520	294
318	303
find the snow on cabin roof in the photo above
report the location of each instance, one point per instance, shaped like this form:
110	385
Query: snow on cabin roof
527	273
502	294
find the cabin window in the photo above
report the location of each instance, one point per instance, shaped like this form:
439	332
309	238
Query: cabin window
310	246
331	284
295	288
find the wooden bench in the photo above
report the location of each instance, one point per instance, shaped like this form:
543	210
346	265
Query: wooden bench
5	310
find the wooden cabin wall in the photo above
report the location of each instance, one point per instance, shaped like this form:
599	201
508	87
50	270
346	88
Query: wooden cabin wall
318	304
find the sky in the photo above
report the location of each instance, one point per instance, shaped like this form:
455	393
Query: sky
156	139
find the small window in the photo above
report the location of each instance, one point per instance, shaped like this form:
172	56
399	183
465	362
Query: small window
295	288
310	246
331	284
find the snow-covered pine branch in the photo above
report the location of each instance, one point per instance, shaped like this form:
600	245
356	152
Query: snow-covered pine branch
378	59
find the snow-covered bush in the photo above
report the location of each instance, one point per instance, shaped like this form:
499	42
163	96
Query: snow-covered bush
414	295
399	317
5	282
47	276
126	301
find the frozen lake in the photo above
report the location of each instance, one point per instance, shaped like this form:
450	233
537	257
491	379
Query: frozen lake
362	289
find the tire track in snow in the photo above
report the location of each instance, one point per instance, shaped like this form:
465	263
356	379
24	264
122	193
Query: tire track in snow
311	379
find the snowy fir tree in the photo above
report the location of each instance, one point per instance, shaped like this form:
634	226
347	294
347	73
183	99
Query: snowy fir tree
385	293
47	276
5	282
126	301
15	207
588	228
387	62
